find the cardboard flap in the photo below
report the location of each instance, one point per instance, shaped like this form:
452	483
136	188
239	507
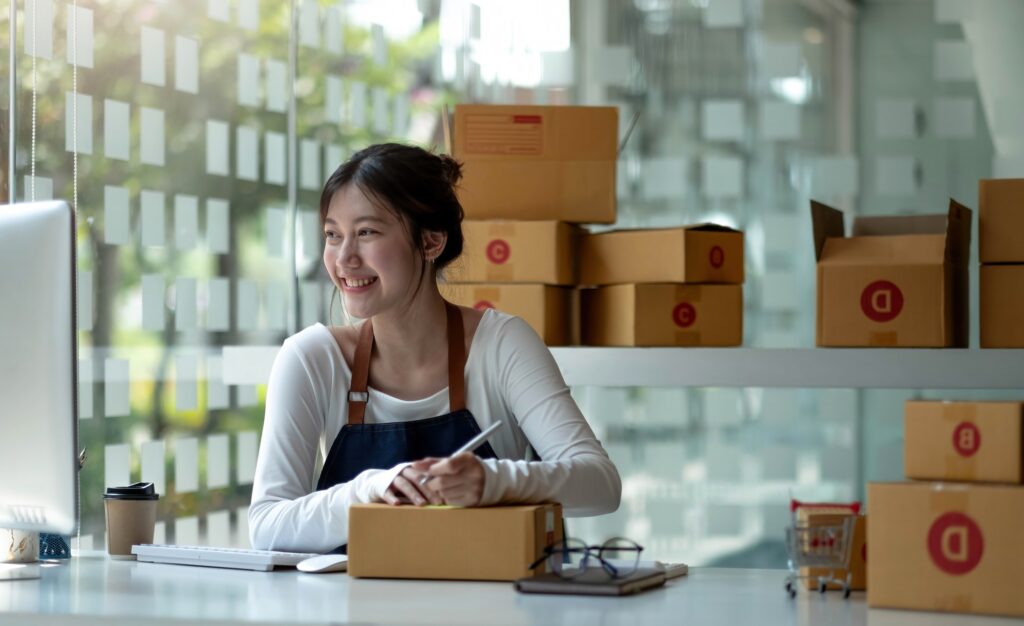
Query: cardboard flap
884	250
826	222
878	225
958	233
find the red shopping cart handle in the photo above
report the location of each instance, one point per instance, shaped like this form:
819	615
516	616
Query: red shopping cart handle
854	507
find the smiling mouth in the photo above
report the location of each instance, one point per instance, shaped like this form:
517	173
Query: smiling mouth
359	282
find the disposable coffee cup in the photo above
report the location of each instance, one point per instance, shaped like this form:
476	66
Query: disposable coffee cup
131	518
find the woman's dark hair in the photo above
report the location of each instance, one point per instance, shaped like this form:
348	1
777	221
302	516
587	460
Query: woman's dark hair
415	184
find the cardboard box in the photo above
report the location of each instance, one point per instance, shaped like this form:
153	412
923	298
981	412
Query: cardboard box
1001	220
1002	306
450	543
946	547
858	553
663	315
537	162
548	310
970	441
704	253
897	281
517	252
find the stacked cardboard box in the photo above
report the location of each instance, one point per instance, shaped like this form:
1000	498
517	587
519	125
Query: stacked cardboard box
952	545
664	287
897	281
531	175
1001	242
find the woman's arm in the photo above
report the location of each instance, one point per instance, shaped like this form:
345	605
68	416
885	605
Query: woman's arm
286	514
575	470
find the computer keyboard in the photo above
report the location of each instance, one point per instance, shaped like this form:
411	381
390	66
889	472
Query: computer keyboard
206	556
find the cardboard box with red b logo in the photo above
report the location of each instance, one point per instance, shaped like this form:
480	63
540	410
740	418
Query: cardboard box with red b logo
946	547
703	253
897	281
663	314
964	441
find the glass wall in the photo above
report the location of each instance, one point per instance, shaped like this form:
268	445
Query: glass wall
194	137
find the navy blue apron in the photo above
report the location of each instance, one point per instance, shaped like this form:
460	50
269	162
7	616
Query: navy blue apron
360	446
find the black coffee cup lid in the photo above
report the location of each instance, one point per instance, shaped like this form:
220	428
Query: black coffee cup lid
137	491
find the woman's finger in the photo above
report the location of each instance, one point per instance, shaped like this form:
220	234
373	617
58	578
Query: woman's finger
411	491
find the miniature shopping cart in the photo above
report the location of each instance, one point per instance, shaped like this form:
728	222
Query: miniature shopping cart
821	546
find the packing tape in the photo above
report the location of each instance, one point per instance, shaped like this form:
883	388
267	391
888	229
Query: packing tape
687	338
954	603
688	293
954	414
883	339
501	229
501	273
490	294
945	497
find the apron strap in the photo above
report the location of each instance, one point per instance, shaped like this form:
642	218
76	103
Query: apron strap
358	393
456	359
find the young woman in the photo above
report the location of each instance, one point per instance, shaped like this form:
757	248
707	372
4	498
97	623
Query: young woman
386	401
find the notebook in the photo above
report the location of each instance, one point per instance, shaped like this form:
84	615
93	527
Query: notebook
593	583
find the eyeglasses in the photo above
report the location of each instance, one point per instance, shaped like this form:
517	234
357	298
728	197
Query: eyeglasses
618	557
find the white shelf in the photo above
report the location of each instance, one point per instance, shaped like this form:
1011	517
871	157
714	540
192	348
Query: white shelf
847	368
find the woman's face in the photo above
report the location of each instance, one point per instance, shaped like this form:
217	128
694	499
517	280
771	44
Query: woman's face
368	254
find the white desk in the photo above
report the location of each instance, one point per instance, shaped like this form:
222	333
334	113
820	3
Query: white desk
94	590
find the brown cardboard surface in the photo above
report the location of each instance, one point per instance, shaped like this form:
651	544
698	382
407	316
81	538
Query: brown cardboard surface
1001	220
548	310
946	547
858	554
450	543
969	441
703	253
662	314
517	252
525	162
898	281
1002	306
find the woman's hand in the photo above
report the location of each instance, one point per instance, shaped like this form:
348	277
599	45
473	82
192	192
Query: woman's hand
406	487
459	480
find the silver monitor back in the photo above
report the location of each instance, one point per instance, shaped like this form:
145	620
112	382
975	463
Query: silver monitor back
38	368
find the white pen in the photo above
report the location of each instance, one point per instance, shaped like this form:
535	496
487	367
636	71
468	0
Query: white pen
471	445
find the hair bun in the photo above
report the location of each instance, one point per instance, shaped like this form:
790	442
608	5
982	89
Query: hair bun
452	169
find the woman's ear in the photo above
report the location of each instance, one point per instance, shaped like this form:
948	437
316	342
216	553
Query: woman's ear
434	242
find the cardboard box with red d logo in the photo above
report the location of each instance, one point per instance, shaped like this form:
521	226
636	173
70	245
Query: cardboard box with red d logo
897	281
946	547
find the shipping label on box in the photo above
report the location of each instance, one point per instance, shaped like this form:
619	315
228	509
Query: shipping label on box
857	566
517	252
897	281
537	162
662	315
1001	220
967	441
450	543
548	310
704	253
946	547
1002	306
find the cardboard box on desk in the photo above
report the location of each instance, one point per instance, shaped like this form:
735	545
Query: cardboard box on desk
517	252
897	281
662	314
551	311
1002	306
858	552
946	547
1001	220
704	253
968	441
450	543
537	162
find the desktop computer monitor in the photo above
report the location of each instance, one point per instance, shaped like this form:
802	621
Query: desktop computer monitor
38	368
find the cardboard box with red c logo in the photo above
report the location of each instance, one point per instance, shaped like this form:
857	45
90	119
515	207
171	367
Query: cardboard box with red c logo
952	547
551	311
517	252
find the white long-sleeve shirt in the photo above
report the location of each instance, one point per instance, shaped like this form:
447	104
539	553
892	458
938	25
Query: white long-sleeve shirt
510	376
